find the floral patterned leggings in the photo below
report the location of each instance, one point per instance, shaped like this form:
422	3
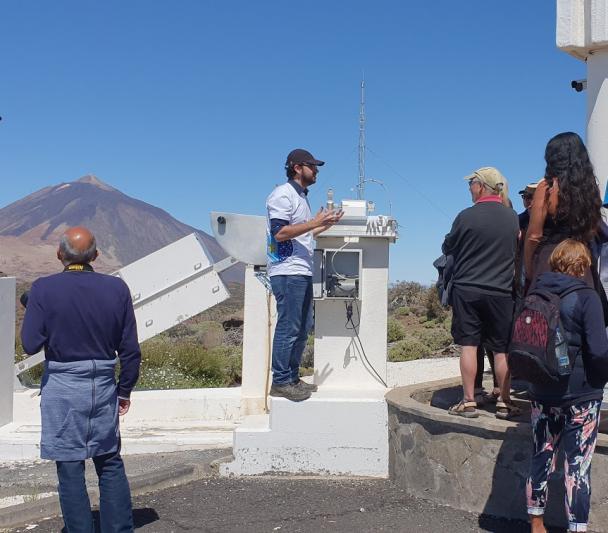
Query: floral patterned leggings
576	428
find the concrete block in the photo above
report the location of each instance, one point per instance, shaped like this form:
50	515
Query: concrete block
332	433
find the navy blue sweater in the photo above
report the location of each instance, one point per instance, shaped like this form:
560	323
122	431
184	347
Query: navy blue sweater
583	319
79	316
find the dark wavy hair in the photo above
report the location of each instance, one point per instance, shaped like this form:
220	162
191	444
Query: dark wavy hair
579	202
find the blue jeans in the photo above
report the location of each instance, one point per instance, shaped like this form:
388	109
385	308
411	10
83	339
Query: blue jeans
114	496
294	309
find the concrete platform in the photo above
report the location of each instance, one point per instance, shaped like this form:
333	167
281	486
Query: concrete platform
158	421
335	432
421	370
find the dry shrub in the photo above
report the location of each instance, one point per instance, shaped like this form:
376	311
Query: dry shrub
394	331
407	349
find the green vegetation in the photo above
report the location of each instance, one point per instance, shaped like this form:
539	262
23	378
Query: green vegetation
183	364
418	326
400	312
394	331
407	349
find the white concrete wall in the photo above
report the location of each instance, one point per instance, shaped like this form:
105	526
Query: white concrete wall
257	350
339	361
597	115
570	25
7	348
582	31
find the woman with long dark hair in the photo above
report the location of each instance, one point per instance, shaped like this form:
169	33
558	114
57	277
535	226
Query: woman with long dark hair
566	205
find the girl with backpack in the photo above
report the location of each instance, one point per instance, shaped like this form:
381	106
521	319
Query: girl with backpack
566	412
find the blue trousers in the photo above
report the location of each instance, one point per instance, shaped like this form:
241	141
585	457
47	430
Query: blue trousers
294	309
114	496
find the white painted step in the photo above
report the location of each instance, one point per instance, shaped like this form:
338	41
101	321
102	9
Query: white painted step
19	442
337	432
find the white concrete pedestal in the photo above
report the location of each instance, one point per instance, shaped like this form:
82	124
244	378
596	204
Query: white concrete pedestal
335	432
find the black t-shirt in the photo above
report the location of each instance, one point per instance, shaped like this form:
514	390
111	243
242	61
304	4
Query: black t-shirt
483	241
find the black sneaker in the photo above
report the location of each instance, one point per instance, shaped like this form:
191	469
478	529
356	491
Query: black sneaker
311	387
290	391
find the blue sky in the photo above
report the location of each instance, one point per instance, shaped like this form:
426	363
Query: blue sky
193	105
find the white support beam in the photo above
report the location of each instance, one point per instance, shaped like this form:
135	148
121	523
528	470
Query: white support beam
7	348
173	284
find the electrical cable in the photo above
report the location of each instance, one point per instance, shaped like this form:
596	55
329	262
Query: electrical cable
349	319
333	255
409	182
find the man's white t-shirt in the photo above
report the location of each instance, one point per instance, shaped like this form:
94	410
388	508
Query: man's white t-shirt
295	255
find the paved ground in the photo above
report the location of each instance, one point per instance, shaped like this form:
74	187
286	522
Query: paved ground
286	504
34	478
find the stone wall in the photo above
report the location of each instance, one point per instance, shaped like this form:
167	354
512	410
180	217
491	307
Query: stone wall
478	465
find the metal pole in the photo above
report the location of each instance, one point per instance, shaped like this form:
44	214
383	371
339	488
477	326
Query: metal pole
360	186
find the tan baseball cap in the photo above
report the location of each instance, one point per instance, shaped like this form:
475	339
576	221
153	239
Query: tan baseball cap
490	176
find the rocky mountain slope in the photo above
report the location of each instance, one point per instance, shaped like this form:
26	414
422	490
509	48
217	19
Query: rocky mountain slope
126	228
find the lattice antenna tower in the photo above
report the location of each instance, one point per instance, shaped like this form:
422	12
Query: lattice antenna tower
361	185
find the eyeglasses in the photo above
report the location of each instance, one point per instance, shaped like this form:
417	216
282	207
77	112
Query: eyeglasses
526	197
309	165
472	181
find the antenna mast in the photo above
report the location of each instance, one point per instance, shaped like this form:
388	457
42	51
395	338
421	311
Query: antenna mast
360	186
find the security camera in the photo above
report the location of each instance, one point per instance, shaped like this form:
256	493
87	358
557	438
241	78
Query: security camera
578	85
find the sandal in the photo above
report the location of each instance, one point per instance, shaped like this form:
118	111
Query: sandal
506	410
466	409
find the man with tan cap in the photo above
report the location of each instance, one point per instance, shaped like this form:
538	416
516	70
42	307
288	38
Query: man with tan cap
483	241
